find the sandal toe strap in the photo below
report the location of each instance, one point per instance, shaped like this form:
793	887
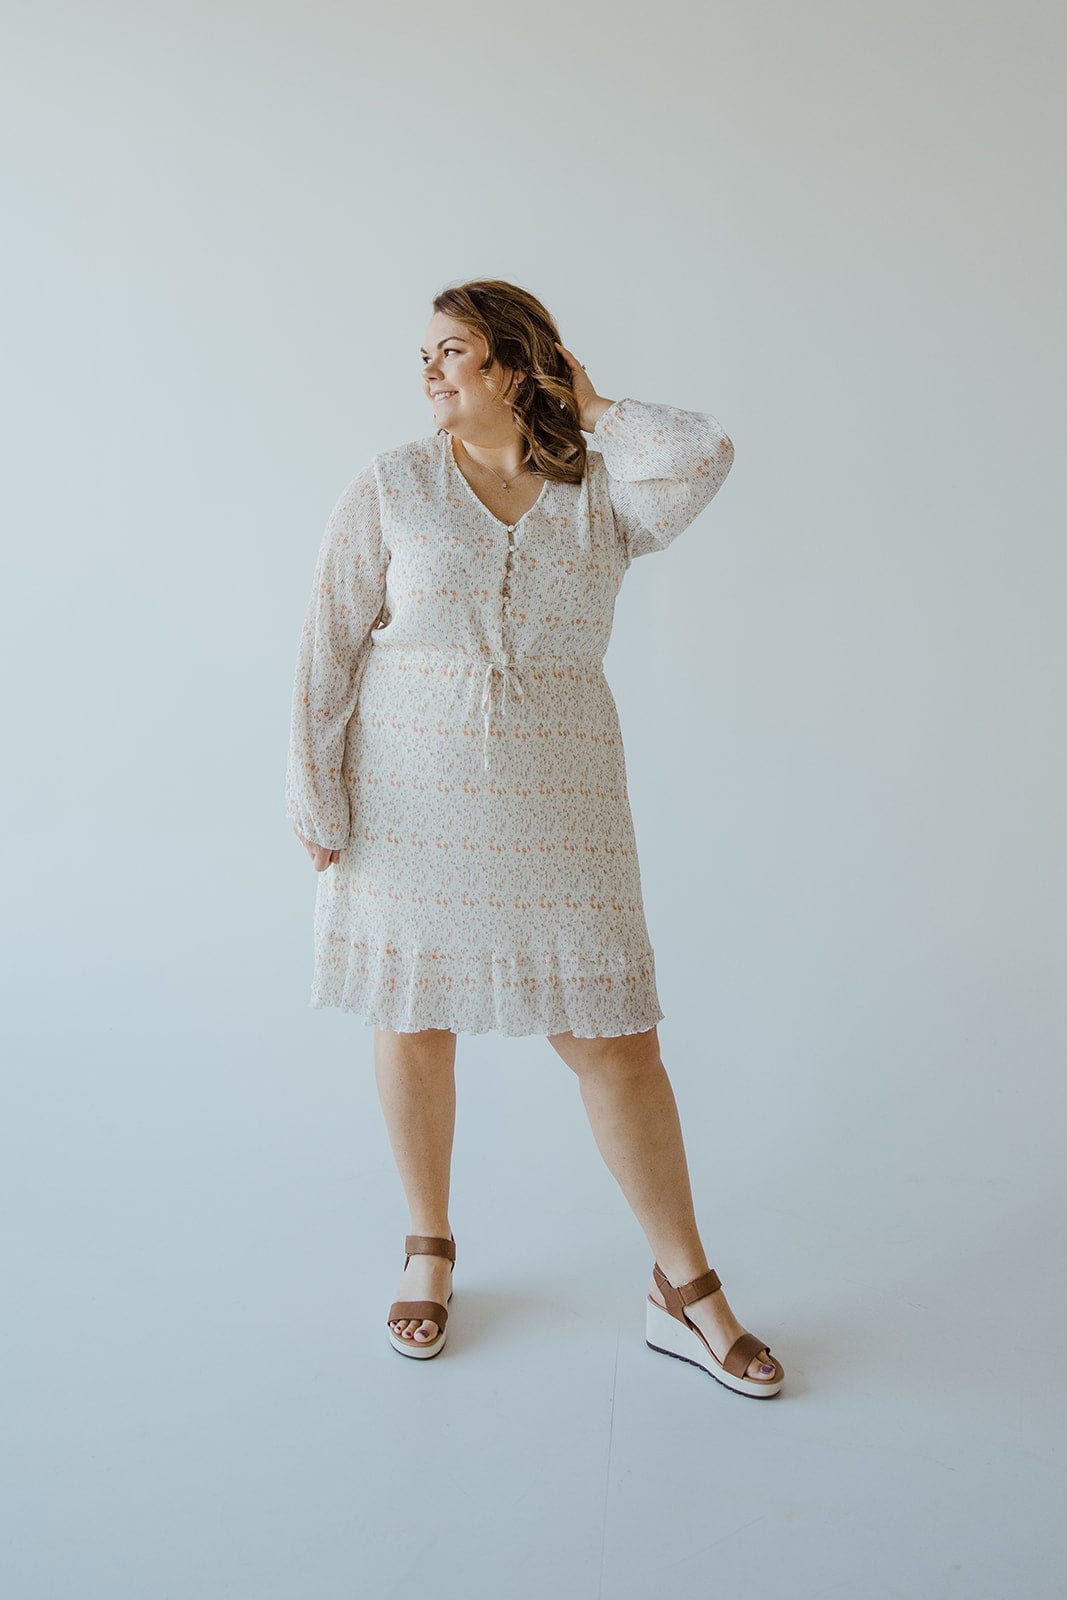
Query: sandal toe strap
740	1353
421	1310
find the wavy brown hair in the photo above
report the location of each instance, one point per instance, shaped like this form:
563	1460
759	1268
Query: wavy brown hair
519	332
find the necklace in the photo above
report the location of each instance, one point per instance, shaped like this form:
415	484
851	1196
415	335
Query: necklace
490	470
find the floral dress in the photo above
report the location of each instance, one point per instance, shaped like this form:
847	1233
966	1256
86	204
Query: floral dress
454	736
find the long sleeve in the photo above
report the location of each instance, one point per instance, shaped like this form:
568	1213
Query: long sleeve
347	597
664	465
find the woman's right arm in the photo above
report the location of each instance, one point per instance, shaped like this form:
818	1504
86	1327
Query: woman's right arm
347	596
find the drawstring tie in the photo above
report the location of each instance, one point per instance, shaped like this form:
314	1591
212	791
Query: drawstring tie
509	675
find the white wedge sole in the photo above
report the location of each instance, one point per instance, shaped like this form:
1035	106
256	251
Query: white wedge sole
673	1338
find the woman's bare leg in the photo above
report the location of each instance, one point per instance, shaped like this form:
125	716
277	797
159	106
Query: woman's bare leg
416	1076
634	1117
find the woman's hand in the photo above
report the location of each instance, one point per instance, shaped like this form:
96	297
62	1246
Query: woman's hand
591	406
321	858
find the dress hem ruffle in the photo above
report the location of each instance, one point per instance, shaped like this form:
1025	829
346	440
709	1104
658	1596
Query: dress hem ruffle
592	995
456	1027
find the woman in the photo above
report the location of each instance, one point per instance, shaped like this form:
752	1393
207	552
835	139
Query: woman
456	763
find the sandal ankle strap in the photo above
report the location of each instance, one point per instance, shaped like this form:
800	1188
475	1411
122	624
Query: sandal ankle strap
682	1295
427	1244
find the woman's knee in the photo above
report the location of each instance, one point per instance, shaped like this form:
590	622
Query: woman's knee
628	1051
426	1044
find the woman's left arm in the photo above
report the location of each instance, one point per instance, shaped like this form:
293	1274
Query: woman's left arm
664	464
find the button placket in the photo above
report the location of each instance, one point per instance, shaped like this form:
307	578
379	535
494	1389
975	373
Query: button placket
509	676
506	589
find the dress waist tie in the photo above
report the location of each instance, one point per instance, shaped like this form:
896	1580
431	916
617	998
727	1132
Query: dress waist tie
509	676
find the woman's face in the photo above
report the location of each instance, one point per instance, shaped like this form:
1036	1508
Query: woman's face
452	379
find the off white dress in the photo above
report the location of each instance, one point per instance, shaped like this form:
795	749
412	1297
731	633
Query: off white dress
454	735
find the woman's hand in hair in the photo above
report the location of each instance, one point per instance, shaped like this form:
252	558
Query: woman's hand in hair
591	406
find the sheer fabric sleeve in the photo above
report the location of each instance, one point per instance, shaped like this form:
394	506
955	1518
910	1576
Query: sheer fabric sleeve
664	465
347	597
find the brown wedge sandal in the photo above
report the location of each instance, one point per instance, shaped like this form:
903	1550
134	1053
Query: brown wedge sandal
669	1330
422	1244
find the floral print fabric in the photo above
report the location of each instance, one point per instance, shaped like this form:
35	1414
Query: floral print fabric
454	736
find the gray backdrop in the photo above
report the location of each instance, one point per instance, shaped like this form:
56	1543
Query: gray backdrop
840	230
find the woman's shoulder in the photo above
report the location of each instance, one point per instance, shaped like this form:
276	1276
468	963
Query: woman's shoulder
387	469
414	457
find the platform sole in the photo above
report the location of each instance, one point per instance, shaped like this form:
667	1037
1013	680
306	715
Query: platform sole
672	1338
419	1352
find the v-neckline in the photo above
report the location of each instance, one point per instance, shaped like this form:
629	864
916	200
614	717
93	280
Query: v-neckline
510	526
